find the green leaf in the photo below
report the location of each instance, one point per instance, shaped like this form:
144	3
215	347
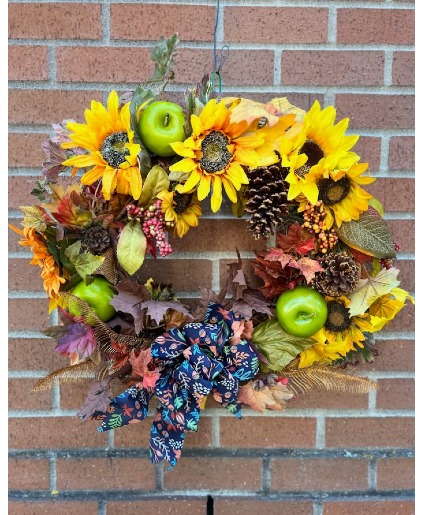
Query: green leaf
84	263
277	346
157	180
131	247
369	234
376	204
162	56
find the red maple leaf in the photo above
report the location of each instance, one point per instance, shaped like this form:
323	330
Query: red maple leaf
295	241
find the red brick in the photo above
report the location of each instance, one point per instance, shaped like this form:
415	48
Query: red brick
57	507
319	474
370	432
214	473
395	473
55	21
251	279
398	355
171	506
369	150
243	67
402	153
34	354
377	111
406	275
29	314
23	276
364	507
27	62
134	22
253	507
20	191
396	394
376	26
329	400
404	69
13	237
53	433
395	194
21	396
227	235
252	24
94	64
105	474
267	432
403	232
26	474
73	394
329	68
24	150
405	319
39	106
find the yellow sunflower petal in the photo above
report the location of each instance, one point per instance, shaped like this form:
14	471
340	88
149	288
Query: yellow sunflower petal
204	187
216	197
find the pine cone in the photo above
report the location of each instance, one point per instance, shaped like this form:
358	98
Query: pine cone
96	240
340	277
266	199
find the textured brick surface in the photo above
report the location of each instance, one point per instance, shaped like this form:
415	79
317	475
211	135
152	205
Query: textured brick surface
24	277
28	314
395	194
398	355
171	506
56	507
370	432
276	25
403	68
248	507
329	400
52	433
332	68
374	26
27	474
367	507
24	150
265	432
134	22
54	21
369	150
27	63
34	354
402	153
92	64
395	473
22	398
214	473
319	474
46	107
376	111
105	474
396	394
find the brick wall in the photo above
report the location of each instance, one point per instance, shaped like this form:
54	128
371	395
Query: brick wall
327	454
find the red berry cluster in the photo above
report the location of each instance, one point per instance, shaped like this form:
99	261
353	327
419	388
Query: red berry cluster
153	224
388	263
313	221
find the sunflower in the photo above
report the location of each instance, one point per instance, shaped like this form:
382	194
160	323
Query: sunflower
339	335
342	196
183	209
52	279
215	153
313	148
108	138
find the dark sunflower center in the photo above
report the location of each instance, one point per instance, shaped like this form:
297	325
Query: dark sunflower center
215	156
181	202
331	192
113	148
314	154
338	317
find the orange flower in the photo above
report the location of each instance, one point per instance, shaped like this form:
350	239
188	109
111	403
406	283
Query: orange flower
42	257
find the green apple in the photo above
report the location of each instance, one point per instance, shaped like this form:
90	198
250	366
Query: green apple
160	124
97	294
301	311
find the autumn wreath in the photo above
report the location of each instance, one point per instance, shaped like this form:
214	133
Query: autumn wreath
140	167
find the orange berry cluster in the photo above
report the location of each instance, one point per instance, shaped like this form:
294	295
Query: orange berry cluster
313	222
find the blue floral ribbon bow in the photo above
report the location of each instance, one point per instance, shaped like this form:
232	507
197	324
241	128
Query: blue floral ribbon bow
194	361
